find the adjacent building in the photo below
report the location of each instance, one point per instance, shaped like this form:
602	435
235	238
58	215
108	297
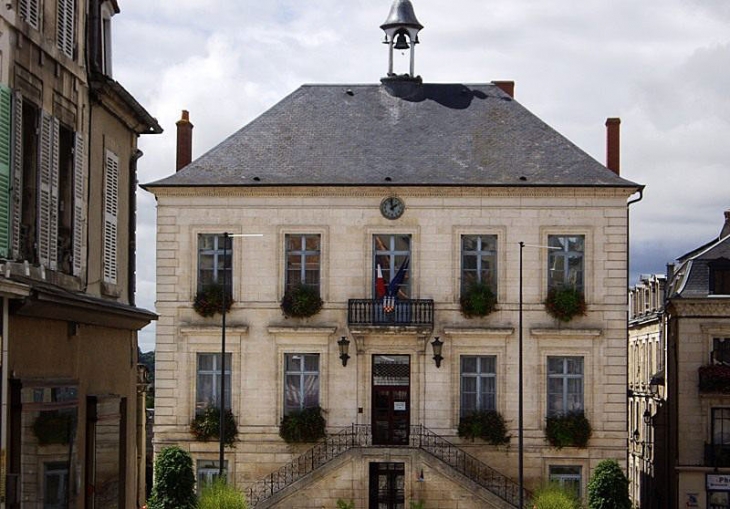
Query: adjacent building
391	202
72	420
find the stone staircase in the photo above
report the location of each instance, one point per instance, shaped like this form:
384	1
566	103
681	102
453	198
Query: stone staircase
359	436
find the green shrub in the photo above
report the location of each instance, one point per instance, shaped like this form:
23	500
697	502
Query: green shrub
608	487
418	505
209	300
553	496
301	301
341	504
206	425
487	425
478	300
306	425
220	495
174	486
569	430
565	302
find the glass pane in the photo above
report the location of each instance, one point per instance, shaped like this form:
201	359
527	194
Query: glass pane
575	365
206	242
206	392
206	262
576	243
311	363
469	263
489	243
311	391
488	364
206	362
292	393
312	243
293	362
292	242
469	384
555	365
468	364
403	243
556	241
468	242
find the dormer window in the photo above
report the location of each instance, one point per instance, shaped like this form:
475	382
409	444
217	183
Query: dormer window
720	277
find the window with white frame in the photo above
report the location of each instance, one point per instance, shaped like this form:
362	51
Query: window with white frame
565	385
207	472
214	261
568	477
478	383
111	213
479	261
302	260
721	427
392	253
301	381
207	392
566	261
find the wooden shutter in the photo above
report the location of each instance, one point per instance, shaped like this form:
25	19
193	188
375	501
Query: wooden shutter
16	205
65	32
30	12
48	191
79	218
5	127
111	207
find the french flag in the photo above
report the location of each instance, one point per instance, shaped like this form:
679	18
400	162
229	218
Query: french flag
380	284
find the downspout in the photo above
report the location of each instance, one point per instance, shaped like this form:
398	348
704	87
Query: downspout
132	253
4	383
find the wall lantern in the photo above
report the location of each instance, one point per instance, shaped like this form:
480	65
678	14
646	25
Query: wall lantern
636	435
344	346
647	417
437	346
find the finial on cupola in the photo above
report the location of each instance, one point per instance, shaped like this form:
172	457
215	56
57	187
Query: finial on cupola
401	32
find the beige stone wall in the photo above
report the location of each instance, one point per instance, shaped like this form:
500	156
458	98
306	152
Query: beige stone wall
258	335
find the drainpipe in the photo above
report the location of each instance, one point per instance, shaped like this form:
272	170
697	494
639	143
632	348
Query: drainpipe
132	252
5	396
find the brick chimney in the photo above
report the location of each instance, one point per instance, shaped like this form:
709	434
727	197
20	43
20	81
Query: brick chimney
508	87
184	141
613	145
726	227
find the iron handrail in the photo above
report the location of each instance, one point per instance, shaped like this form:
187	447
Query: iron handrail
399	312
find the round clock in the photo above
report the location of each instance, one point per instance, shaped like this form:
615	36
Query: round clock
392	207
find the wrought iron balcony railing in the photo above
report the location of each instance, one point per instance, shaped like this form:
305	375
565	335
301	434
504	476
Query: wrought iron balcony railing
381	313
717	455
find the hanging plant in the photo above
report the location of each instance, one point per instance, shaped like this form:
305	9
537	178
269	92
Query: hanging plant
486	425
54	427
209	300
301	301
206	425
478	300
565	302
568	430
306	426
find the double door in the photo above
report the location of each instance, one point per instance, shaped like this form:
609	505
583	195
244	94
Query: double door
391	392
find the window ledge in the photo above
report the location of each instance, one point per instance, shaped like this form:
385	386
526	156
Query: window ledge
566	333
298	329
479	331
240	328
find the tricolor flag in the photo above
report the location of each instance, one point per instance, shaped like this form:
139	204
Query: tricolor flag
379	284
398	279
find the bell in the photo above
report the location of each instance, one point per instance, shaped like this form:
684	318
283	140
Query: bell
400	42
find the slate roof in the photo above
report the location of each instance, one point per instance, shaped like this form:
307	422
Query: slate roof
400	133
692	278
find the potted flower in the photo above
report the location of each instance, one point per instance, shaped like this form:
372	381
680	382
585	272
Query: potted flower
565	302
206	425
210	299
487	425
568	430
301	301
477	300
714	378
303	426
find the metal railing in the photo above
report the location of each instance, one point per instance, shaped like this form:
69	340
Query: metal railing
360	436
402	312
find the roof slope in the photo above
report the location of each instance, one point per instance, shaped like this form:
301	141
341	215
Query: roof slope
398	133
692	277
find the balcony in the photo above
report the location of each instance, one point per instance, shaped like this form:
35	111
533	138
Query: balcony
416	313
714	378
717	455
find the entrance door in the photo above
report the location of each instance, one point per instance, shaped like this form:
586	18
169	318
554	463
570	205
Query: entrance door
391	399
387	486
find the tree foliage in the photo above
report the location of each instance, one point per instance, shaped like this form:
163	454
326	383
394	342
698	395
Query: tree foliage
608	487
553	496
221	495
174	486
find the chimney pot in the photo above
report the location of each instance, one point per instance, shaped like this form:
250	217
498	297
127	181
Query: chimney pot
726	227
613	145
508	87
184	141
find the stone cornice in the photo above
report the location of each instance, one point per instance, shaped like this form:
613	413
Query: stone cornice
213	329
302	329
566	333
479	331
714	307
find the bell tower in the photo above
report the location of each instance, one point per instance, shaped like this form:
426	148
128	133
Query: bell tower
401	32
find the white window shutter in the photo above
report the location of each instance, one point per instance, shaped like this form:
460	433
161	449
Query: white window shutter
16	183
45	155
111	207
30	12
79	219
65	32
53	219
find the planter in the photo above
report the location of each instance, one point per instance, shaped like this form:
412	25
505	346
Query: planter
301	301
206	426
488	426
305	426
569	430
209	301
478	300
565	303
714	378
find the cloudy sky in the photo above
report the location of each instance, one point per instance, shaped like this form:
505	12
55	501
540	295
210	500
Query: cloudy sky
663	66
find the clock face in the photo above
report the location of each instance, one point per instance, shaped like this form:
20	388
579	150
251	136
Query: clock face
392	207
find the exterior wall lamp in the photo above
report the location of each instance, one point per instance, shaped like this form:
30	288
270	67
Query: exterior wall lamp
344	346
437	346
647	417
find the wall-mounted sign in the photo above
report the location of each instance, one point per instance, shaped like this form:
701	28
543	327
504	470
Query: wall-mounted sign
718	482
399	406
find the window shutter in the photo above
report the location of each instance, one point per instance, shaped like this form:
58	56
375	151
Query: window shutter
111	206
5	126
48	191
66	27
79	220
30	12
17	176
